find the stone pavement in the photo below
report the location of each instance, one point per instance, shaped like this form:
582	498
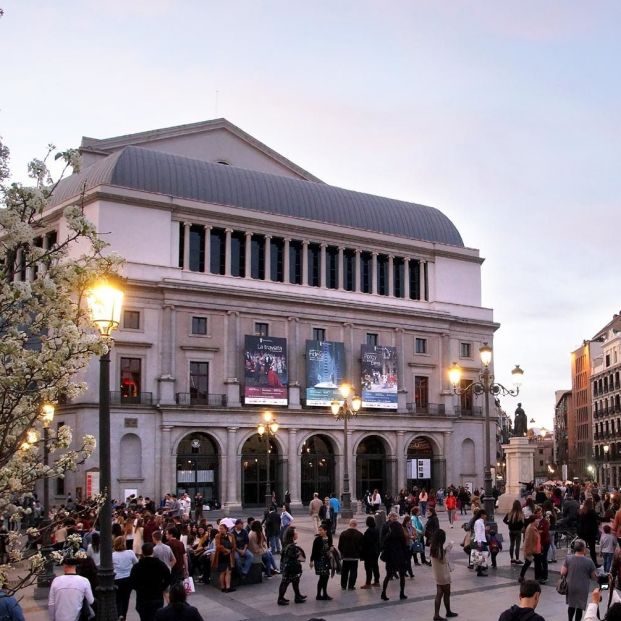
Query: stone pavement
475	599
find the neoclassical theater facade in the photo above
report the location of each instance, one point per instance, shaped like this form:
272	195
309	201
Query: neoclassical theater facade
252	286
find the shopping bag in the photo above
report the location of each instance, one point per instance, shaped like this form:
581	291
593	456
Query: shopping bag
188	585
478	558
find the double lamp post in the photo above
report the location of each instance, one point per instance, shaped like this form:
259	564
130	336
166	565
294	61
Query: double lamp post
486	386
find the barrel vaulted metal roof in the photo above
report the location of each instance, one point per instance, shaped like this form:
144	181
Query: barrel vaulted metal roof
146	170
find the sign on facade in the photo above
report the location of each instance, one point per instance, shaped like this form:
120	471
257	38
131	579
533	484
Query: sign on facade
265	370
418	468
92	483
325	371
378	377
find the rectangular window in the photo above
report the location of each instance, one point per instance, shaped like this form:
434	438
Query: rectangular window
421	391
372	339
131	379
465	350
398	282
414	279
319	334
257	261
349	257
277	259
295	262
238	254
199	382
421	346
261	329
314	265
217	249
131	320
199	326
366	269
466	396
382	274
332	267
197	248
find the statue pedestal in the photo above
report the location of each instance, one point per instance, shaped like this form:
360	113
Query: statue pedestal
519	455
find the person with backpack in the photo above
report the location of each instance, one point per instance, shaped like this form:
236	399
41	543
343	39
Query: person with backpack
530	593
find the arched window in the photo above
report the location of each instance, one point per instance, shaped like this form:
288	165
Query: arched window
468	463
131	457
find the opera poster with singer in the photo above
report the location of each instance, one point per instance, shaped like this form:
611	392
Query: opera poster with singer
325	370
378	377
265	370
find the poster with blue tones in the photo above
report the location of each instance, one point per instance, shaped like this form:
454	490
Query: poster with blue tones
325	371
378	377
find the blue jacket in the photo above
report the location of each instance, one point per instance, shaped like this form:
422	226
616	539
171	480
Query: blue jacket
10	608
335	505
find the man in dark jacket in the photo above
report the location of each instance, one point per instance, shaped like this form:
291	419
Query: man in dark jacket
350	547
530	592
149	577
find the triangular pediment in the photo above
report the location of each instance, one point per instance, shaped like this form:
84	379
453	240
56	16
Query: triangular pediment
216	140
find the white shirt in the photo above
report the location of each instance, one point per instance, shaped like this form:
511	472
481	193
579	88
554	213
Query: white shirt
66	595
92	554
479	531
123	563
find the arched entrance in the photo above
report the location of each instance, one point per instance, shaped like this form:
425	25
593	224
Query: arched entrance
317	468
371	466
254	471
198	466
419	463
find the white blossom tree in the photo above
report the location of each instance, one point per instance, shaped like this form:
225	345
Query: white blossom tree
45	334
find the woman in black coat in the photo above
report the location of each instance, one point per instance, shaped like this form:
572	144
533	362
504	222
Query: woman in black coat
432	525
320	560
588	527
394	554
370	552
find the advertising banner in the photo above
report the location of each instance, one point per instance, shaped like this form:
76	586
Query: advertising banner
325	370
378	377
265	364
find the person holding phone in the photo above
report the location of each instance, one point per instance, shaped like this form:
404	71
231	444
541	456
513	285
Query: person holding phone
613	613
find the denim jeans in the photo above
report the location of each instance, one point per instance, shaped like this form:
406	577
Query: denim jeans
275	545
244	562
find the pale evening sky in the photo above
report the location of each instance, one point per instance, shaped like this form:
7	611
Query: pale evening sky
505	116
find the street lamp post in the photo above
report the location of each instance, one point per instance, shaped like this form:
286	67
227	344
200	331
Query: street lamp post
486	386
105	302
44	579
267	427
345	409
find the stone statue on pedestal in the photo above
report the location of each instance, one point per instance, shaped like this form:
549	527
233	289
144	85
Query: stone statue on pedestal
520	423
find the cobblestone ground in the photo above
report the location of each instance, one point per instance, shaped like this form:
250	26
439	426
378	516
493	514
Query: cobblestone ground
475	599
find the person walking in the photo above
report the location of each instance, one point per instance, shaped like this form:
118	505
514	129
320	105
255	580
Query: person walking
515	521
178	609
68	592
162	551
419	548
320	560
350	547
480	540
423	499
335	505
532	545
149	577
579	571
272	529
122	560
313	510
394	553
179	570
439	551
588	528
451	507
530	593
326	514
370	553
541	560
608	546
291	566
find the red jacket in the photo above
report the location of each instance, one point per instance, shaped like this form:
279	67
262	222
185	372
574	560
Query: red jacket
451	502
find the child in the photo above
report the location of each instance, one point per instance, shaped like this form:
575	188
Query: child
608	545
494	546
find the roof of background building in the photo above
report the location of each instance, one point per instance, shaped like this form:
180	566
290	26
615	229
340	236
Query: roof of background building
142	169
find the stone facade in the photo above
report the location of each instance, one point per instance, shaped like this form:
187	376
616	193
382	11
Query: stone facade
201	276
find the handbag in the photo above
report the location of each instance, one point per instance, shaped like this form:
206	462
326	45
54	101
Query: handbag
188	585
86	613
561	587
417	546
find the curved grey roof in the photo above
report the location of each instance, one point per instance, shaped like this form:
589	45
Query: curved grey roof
172	175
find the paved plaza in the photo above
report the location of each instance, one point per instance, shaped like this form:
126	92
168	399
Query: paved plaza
475	599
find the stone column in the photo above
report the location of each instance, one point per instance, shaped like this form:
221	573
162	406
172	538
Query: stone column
341	268
268	257
233	501
166	457
294	469
227	252
248	256
520	467
323	266
286	260
186	245
352	470
401	473
447	452
429	279
374	273
357	275
406	278
423	280
305	262
207	264
231	359
167	375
